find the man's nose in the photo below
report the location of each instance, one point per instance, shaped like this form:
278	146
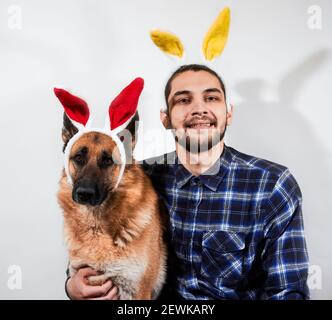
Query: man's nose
199	109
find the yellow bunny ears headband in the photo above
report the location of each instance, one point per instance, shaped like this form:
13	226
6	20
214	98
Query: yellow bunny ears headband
213	44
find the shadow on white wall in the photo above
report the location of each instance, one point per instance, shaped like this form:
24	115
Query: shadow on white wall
287	137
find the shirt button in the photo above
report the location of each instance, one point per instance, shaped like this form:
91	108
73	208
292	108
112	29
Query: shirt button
195	182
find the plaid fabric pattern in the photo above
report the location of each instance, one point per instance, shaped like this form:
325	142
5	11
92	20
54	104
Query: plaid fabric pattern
237	231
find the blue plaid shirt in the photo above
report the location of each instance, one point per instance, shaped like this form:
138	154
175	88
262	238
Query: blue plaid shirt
237	230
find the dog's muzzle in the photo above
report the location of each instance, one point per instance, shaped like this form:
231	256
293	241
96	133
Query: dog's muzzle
88	193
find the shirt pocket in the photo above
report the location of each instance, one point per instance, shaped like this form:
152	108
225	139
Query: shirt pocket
223	255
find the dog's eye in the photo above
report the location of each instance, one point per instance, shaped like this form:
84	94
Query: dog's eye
105	161
79	159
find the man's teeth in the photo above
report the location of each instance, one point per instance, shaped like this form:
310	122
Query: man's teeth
201	125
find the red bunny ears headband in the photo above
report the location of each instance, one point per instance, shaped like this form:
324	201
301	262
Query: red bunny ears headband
121	110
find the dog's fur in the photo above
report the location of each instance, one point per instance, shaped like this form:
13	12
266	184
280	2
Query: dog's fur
122	237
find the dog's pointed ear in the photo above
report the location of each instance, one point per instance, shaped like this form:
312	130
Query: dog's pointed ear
128	136
76	114
68	130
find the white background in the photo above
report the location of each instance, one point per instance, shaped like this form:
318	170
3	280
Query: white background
277	72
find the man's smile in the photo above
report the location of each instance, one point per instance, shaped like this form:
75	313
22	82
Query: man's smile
200	124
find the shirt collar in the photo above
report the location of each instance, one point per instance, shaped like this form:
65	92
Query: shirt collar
210	178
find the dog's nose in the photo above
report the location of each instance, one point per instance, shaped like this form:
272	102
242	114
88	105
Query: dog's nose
86	195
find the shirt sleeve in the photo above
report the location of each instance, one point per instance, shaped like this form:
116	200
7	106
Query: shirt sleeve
285	257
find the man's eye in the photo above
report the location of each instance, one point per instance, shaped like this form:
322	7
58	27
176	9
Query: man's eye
183	101
212	98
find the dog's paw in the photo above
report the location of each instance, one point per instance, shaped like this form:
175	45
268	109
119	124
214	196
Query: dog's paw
97	280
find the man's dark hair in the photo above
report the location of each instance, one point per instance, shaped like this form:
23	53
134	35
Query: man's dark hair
190	67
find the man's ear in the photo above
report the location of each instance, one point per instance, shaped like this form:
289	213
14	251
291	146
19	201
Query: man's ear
165	120
229	115
68	130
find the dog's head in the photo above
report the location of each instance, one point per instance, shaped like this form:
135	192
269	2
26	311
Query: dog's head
95	158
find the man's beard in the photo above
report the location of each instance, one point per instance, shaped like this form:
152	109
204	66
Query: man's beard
198	145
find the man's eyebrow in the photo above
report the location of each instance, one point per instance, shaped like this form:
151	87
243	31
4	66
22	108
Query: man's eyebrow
212	90
178	93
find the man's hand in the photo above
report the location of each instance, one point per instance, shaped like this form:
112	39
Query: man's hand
78	287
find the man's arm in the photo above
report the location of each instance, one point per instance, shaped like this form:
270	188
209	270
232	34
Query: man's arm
285	257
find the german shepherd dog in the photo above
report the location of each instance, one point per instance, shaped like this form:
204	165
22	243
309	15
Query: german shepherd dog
115	229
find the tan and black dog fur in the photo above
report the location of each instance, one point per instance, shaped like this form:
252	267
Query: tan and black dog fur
119	232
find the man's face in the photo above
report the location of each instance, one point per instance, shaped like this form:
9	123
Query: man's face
197	110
